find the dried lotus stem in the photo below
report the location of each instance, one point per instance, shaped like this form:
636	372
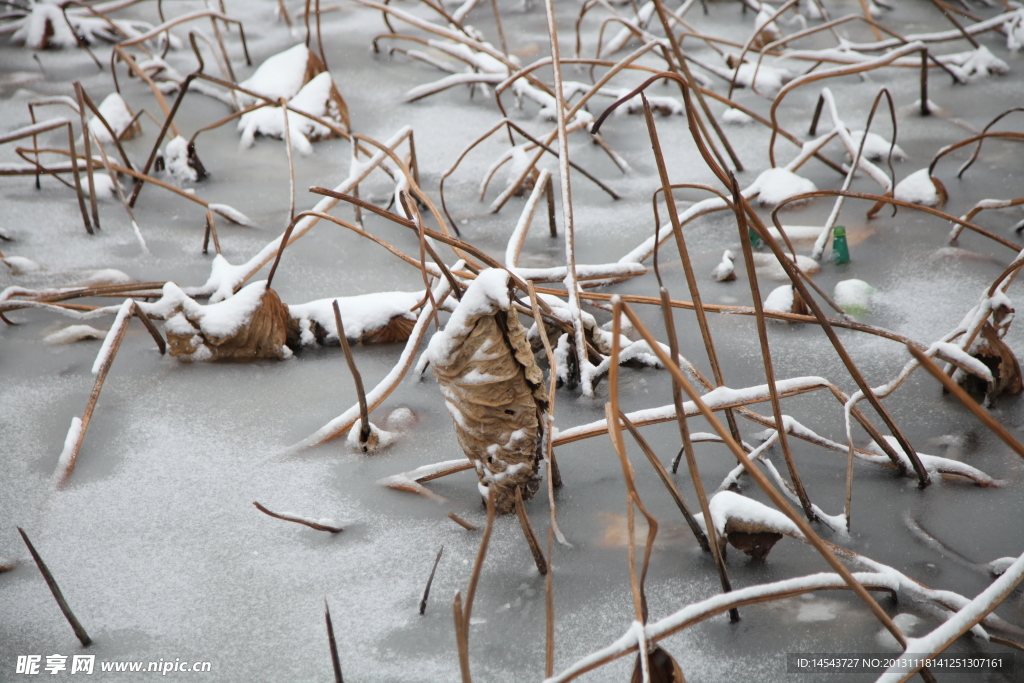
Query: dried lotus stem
364	413
76	626
430	580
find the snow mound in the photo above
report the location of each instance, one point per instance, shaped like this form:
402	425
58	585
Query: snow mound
777	185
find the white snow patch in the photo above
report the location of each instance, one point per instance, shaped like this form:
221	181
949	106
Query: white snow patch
778	184
918	188
73	333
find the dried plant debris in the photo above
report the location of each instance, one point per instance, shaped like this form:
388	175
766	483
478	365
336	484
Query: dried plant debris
73	333
46	24
785	299
991	350
662	668
493	388
377	318
118	115
920	187
251	325
319	97
180	161
748	525
377	440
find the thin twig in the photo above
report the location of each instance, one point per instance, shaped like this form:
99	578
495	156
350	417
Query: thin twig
335	661
531	538
364	413
430	580
298	520
468	526
80	633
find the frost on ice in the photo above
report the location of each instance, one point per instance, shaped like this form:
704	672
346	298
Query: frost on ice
492	387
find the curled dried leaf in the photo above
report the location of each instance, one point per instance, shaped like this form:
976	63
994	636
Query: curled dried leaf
1000	359
662	666
492	388
251	325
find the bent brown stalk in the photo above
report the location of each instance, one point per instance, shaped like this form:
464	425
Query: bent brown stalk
76	626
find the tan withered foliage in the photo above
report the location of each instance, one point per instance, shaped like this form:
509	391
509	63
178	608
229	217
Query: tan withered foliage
997	356
337	110
494	390
751	538
398	328
263	335
662	666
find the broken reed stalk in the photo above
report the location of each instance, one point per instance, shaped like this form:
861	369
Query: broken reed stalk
762	481
708	542
80	633
702	539
298	520
120	193
463	614
210	231
87	148
677	230
531	538
335	660
283	102
549	611
766	354
788	266
118	329
798	284
612	411
364	413
468	526
501	30
554	475
461	638
150	327
685	69
430	580
571	284
958	391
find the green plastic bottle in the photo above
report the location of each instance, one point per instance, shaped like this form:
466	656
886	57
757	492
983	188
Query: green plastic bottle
755	240
840	250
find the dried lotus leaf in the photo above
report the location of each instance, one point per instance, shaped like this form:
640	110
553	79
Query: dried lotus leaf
493	389
663	668
264	333
999	358
336	108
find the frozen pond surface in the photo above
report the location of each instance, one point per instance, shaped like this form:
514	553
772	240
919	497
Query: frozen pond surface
154	539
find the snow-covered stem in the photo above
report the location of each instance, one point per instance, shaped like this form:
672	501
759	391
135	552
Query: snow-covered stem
970	403
766	356
554	477
834	72
515	241
571	284
777	498
322	524
705	609
100	368
966	618
225	282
